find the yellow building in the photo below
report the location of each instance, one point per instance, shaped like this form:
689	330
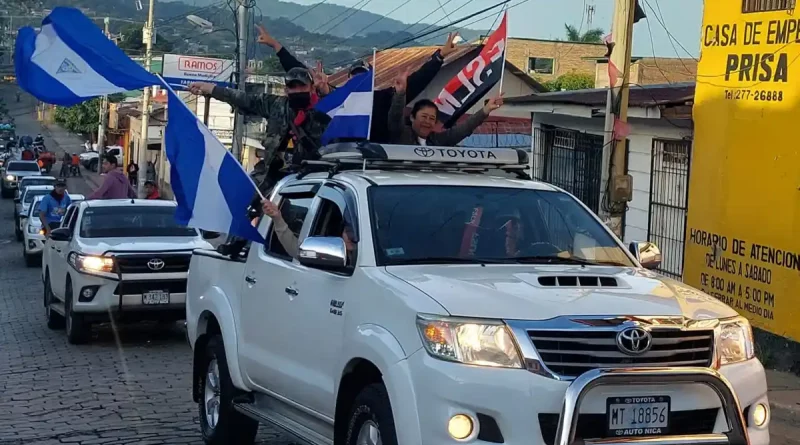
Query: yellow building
743	227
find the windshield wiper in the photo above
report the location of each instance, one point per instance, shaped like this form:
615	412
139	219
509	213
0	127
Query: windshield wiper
446	260
549	259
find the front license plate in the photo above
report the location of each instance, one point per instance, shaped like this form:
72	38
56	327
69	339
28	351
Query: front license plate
638	416
155	297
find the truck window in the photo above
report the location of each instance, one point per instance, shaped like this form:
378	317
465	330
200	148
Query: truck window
294	210
329	222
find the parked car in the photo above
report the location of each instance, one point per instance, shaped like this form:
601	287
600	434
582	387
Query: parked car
23	204
33	232
426	295
122	259
14	172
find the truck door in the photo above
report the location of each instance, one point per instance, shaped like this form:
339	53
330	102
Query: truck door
317	312
267	307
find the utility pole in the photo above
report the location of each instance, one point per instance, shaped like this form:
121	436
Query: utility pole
241	65
620	183
147	37
101	129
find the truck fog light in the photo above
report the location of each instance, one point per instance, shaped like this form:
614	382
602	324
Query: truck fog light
87	294
460	426
760	414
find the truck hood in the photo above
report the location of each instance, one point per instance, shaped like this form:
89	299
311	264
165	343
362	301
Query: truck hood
99	246
514	292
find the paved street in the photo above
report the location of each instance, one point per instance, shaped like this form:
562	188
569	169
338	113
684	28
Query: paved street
131	385
133	388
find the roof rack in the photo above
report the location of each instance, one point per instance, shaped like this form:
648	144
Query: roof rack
339	157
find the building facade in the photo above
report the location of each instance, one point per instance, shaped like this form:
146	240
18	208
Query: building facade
744	190
545	60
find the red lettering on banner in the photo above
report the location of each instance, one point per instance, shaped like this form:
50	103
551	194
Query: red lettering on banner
200	65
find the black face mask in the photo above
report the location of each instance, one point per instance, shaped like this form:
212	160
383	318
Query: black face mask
299	101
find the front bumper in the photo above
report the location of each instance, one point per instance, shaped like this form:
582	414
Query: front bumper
516	407
34	244
9	185
123	299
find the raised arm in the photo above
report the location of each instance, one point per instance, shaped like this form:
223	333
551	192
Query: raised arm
397	122
286	58
419	79
458	133
253	104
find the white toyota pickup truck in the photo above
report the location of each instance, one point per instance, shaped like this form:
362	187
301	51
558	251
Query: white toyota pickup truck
429	295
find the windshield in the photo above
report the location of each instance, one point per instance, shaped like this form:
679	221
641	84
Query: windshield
33	180
132	221
454	224
23	167
34	193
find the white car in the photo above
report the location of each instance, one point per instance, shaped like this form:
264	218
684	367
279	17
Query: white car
14	172
33	232
126	259
22	206
91	159
33	180
424	300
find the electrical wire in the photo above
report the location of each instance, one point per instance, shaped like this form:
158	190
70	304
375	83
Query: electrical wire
308	9
521	2
431	25
334	22
381	17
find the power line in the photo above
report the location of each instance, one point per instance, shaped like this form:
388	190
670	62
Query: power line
378	20
309	9
352	13
429	26
334	21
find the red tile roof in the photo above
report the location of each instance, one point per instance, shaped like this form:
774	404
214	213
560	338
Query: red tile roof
392	62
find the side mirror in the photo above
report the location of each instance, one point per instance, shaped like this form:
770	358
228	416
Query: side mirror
209	235
648	254
61	234
323	252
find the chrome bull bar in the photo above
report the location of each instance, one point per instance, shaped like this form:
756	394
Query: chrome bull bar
577	390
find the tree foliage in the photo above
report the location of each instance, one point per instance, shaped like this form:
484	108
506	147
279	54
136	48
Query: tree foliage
132	40
82	118
570	82
594	35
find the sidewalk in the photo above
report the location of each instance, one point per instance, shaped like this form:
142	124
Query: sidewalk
784	396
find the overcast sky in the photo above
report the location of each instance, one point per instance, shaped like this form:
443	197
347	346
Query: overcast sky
545	19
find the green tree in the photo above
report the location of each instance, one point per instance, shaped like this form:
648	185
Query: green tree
594	35
132	41
570	82
82	118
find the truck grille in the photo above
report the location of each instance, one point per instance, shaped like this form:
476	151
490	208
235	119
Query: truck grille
571	353
138	263
140	287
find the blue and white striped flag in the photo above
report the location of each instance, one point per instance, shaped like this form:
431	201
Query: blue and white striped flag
70	60
350	108
212	189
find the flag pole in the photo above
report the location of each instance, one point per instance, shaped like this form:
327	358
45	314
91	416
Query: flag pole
374	73
505	51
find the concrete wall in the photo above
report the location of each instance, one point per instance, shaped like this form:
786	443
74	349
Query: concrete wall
569	56
643	131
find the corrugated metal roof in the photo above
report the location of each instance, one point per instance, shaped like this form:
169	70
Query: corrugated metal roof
391	62
640	95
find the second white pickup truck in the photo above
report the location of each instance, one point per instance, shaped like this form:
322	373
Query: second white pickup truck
410	295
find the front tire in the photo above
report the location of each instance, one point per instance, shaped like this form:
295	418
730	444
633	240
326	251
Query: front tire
17	232
78	331
371	421
6	193
30	260
220	423
54	320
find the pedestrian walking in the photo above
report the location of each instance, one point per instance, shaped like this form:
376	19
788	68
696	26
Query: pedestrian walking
115	185
66	162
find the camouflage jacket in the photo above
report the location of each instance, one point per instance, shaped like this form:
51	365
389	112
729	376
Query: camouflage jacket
275	109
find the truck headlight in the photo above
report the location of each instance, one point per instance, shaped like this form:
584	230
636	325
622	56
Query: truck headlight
470	341
33	230
9	177
735	341
88	263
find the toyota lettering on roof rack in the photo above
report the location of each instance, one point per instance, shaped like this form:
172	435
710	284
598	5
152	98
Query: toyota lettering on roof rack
363	155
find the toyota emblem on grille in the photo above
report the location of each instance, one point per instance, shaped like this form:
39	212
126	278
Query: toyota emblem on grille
424	152
634	341
155	264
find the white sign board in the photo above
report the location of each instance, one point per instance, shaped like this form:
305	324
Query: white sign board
183	70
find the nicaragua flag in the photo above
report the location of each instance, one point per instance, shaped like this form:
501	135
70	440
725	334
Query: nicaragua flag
212	189
71	60
350	108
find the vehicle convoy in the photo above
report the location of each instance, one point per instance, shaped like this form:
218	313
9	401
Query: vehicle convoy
33	232
429	295
14	172
33	180
125	259
23	204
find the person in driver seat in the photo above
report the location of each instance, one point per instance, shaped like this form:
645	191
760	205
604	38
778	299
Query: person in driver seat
289	240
